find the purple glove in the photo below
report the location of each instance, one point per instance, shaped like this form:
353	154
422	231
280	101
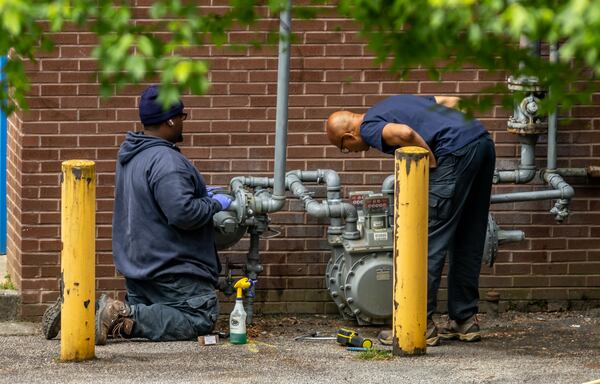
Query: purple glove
210	190
223	199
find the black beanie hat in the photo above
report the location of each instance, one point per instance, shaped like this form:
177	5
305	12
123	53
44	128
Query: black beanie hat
152	112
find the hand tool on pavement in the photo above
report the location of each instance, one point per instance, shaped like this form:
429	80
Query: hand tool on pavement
314	336
351	338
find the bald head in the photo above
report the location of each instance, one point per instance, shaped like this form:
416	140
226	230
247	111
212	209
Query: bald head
343	131
338	124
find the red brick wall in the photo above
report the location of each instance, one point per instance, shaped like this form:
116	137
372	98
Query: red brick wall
231	132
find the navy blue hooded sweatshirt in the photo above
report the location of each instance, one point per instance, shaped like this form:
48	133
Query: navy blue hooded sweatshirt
162	222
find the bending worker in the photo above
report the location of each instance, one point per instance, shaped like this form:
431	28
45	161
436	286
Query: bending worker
462	160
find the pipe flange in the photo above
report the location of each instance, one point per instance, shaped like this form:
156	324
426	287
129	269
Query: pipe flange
524	84
525	129
490	248
240	206
332	274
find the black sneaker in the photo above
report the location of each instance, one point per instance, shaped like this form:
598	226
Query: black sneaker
385	337
467	330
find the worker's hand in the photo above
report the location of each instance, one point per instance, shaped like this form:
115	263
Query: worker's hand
223	199
210	190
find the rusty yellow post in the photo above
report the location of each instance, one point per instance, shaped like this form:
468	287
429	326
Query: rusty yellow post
410	251
78	259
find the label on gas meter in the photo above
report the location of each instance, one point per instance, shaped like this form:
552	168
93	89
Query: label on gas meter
380	236
383	274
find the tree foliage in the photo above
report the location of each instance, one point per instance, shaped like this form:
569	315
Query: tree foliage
486	33
404	33
128	52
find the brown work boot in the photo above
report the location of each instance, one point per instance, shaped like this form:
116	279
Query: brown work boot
385	337
466	330
433	340
112	317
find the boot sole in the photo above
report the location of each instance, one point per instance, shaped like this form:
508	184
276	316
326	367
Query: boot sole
99	339
468	337
51	321
433	341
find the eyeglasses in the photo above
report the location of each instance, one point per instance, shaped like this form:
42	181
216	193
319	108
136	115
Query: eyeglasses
183	116
342	148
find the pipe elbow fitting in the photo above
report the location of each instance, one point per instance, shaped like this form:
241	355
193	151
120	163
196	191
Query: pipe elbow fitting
332	179
568	191
314	208
557	182
524	175
350	212
388	185
291	181
275	204
236	183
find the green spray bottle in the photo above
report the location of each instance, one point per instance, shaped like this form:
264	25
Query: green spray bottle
237	318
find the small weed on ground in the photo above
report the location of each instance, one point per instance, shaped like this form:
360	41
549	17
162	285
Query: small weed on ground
7	283
375	354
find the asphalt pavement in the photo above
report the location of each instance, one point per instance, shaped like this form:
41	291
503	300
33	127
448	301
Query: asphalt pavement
559	347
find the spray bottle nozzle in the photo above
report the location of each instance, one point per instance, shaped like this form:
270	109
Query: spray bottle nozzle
241	284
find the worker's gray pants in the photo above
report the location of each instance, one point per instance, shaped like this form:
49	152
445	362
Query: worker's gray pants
459	199
172	307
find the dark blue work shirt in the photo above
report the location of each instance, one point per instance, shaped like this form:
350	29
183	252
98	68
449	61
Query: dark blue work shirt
444	129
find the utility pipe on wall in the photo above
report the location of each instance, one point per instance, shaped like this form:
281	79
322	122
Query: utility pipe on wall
567	193
561	207
276	201
551	155
526	169
333	207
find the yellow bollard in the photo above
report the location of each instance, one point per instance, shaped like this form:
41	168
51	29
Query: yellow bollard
78	259
410	251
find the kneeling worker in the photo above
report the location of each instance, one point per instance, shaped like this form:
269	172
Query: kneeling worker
462	160
162	236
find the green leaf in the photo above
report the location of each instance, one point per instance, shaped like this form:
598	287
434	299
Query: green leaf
11	20
182	71
517	18
136	66
146	46
158	10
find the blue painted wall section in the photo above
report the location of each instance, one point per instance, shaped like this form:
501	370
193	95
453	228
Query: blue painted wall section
3	127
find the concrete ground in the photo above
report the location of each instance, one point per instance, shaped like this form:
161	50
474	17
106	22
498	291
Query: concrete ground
517	348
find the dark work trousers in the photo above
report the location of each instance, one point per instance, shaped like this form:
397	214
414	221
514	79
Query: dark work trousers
459	200
172	307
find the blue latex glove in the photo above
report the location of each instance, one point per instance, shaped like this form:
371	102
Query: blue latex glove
223	199
210	190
